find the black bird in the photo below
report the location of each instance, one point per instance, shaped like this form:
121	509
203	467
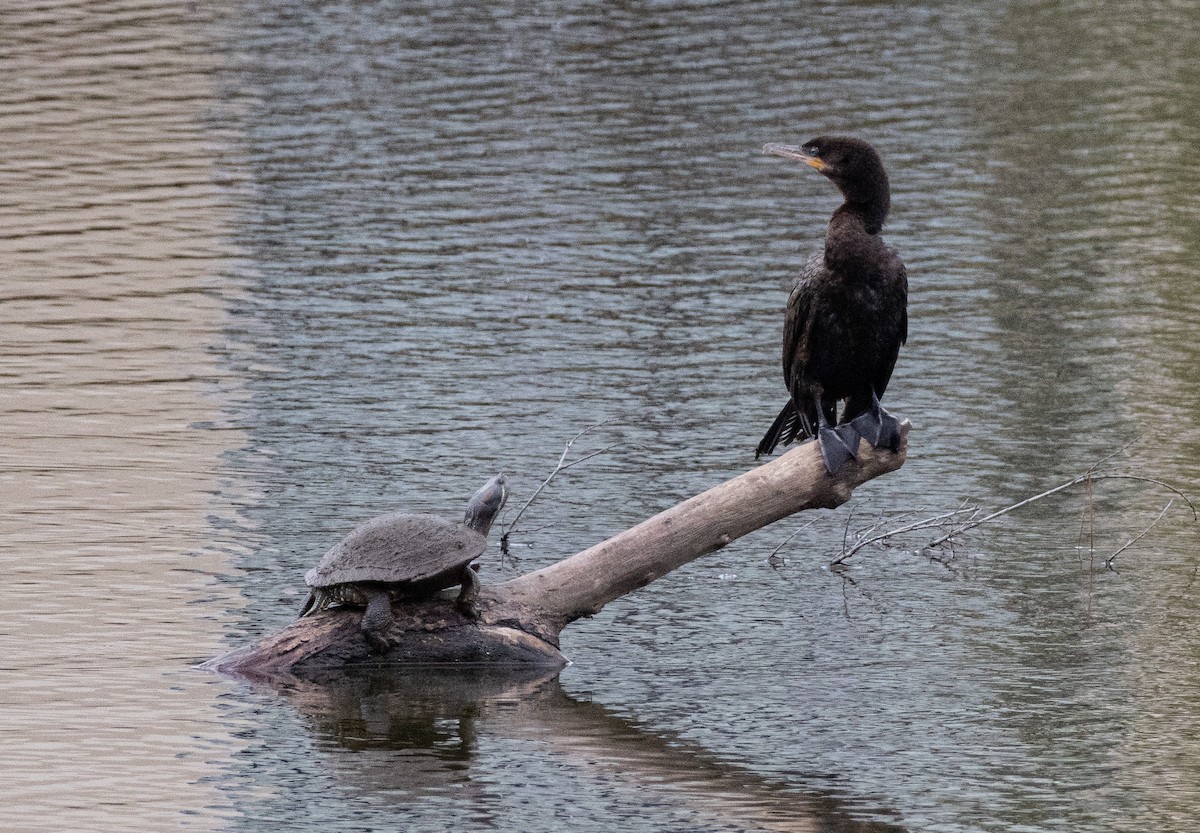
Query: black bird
847	315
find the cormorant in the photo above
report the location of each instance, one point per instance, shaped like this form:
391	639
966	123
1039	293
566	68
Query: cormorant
847	315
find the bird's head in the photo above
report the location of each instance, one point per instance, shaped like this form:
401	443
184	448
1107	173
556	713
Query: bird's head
852	164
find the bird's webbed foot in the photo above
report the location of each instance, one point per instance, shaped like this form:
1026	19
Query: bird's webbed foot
889	432
838	445
878	427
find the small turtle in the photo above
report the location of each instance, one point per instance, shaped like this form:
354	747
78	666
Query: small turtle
402	555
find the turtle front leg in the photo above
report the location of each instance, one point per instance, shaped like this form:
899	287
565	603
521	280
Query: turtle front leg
469	593
377	620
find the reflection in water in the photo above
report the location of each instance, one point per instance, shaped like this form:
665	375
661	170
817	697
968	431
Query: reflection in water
425	734
1097	346
111	232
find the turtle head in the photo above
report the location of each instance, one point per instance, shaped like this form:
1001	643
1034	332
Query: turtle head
486	504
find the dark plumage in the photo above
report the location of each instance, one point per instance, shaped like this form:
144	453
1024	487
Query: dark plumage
847	315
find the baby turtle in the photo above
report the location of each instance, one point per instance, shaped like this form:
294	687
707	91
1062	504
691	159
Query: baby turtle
402	555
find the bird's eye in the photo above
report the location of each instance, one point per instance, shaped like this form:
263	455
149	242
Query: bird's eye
813	150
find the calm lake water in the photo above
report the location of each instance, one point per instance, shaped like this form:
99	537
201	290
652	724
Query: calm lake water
271	268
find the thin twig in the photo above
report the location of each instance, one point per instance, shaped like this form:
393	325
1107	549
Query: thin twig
1089	475
1087	522
846	531
1096	465
1109	562
863	533
588	456
971	525
1088	512
1091	498
788	539
560	466
1142	478
924	523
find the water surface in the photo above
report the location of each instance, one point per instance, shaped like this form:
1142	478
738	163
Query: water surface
274	268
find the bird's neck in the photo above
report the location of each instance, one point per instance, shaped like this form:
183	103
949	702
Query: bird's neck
870	209
853	241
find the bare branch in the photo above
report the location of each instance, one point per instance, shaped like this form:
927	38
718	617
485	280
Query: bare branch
786	540
879	524
950	521
1090	475
924	523
1144	479
1087	522
1096	465
943	539
1109	561
588	456
560	466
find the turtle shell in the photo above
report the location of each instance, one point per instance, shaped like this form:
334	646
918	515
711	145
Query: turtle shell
401	548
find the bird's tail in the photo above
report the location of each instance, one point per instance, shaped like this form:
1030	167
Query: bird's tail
786	427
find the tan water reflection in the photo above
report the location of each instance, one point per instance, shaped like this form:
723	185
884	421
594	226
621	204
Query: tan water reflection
110	240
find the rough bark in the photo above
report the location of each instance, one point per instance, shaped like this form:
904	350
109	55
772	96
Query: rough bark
520	620
426	632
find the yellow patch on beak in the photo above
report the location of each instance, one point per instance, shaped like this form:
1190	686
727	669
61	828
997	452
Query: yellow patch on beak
793	152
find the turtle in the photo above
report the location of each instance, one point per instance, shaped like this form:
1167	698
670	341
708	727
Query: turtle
404	555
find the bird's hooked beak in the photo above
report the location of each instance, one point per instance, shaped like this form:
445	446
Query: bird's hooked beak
793	152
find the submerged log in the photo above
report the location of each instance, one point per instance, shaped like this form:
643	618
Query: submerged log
520	620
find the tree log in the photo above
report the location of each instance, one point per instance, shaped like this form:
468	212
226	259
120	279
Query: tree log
520	620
